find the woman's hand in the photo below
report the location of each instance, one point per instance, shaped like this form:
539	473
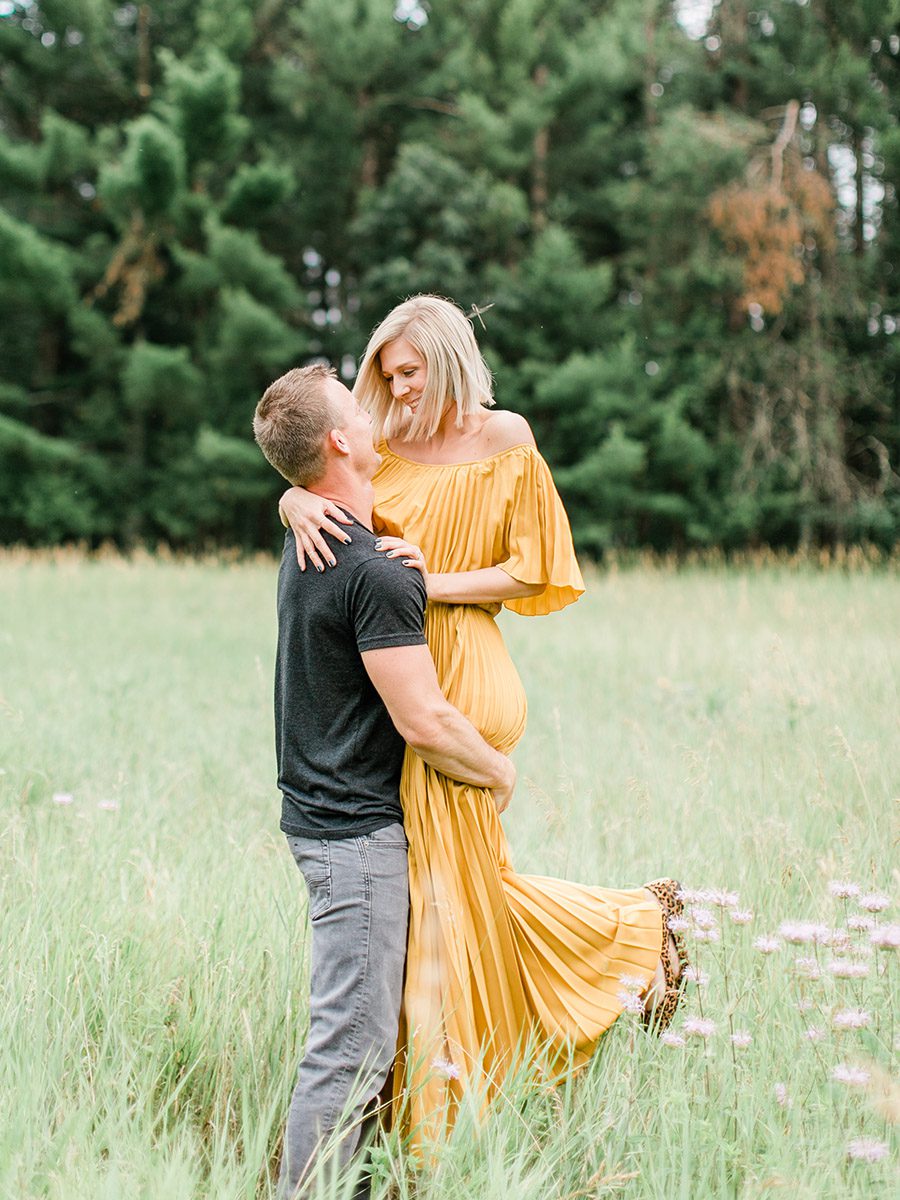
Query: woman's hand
412	556
308	515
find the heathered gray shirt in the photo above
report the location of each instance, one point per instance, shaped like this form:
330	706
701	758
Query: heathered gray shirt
339	755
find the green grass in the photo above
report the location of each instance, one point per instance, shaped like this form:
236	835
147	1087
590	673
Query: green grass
736	727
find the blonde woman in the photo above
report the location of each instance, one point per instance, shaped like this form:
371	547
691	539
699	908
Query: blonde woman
495	958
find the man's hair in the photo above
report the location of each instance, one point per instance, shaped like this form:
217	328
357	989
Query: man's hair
292	420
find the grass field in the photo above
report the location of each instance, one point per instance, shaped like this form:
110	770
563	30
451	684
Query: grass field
736	727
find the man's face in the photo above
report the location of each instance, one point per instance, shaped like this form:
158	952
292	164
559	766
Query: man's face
356	426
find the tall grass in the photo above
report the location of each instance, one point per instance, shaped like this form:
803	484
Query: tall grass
736	727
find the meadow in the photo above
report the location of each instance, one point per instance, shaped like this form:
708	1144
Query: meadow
734	726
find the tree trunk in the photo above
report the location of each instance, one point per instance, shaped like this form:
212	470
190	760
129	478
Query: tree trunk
650	64
144	88
541	147
859	246
369	168
135	454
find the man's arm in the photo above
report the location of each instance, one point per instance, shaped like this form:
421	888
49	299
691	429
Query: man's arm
405	679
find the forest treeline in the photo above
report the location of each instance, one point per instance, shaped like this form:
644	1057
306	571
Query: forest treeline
682	228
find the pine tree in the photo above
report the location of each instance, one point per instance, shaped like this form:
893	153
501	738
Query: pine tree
683	250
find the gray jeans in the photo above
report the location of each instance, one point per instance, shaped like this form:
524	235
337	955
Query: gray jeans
359	908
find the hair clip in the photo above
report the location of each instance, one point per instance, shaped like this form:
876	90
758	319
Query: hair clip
476	312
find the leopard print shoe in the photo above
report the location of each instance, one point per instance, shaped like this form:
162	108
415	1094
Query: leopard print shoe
659	1017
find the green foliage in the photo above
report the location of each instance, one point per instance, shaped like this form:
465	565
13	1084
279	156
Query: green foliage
65	149
226	24
34	271
455	221
252	345
18	439
204	96
151	173
160	382
48	486
21	165
240	261
198	196
254	190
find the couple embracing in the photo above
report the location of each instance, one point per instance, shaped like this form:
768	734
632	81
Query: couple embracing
416	514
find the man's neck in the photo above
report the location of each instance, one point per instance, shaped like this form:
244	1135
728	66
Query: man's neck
355	496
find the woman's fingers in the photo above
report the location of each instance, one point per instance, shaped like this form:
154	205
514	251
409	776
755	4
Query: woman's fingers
411	555
310	516
340	535
332	510
320	552
312	547
309	550
394	547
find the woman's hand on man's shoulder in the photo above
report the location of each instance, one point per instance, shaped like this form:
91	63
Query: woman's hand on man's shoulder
504	429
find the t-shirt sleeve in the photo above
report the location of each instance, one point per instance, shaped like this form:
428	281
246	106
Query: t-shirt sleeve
386	604
539	542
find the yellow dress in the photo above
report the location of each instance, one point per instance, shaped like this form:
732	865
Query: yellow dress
495	957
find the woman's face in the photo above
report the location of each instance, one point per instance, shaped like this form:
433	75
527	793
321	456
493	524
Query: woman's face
405	371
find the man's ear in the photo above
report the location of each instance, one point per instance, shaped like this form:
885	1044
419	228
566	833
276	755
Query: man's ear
338	441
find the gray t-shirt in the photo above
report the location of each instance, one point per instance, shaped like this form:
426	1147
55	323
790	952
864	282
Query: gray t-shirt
339	754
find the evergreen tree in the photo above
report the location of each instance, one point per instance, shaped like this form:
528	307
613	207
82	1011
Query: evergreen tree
683	248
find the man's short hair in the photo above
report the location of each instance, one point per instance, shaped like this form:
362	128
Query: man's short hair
292	420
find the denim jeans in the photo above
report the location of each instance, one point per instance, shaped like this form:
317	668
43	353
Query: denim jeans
358	908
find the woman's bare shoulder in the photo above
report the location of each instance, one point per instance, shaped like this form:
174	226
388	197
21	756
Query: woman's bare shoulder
502	430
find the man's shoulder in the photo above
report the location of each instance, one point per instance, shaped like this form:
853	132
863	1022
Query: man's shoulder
373	569
348	555
360	568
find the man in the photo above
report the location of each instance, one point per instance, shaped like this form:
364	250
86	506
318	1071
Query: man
354	680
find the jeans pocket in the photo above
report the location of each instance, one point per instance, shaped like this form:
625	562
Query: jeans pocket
389	835
313	857
319	897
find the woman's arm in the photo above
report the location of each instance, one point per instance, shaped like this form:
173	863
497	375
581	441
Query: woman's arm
308	515
488	585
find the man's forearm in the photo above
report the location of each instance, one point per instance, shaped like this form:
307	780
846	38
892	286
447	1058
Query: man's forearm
452	745
405	679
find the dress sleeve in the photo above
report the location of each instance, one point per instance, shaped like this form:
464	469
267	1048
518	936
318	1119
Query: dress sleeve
539	540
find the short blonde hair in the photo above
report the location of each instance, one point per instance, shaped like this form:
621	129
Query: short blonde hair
442	334
292	421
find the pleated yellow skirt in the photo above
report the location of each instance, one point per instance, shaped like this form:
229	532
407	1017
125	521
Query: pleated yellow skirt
497	960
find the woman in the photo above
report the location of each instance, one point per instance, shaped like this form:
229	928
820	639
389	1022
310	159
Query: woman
495	958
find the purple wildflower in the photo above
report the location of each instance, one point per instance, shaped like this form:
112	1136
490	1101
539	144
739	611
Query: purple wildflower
868	1150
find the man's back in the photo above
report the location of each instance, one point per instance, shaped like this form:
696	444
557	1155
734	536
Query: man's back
339	754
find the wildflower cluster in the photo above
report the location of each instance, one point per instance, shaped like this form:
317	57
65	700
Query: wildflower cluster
446	1068
835	973
64	799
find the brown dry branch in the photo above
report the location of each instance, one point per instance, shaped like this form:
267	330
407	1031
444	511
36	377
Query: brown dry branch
770	220
133	268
